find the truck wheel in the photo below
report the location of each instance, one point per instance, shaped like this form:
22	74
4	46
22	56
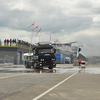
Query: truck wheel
35	65
27	66
50	67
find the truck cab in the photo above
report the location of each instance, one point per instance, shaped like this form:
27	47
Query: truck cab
43	56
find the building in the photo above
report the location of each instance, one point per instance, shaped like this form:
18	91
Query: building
69	50
13	53
66	49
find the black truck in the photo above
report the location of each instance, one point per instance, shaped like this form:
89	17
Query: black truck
43	56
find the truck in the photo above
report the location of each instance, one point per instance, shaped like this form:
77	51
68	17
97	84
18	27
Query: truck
43	56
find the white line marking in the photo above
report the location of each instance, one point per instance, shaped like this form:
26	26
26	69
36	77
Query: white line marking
36	98
11	76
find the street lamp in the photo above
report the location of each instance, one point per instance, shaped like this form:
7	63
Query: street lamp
78	50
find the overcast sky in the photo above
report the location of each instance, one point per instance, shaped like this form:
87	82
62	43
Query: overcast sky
65	20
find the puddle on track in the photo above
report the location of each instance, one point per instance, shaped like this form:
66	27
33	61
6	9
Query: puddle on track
57	70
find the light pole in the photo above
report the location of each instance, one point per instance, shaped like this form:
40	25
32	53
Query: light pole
78	50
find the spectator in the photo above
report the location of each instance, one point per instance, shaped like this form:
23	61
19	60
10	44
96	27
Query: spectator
5	42
17	41
13	40
10	42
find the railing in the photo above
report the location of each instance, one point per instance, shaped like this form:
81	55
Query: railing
8	44
24	46
17	45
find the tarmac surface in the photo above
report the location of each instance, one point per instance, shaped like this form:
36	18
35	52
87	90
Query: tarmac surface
67	83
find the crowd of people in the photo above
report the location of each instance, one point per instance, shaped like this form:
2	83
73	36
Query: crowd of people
14	41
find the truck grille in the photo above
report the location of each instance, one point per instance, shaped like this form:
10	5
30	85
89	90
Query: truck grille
47	60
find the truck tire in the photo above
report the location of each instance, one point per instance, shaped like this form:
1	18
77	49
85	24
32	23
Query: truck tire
26	65
35	66
50	67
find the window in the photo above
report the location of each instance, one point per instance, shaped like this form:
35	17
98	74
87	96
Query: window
45	50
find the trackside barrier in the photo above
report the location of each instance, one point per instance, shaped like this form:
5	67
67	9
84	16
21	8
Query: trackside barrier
83	65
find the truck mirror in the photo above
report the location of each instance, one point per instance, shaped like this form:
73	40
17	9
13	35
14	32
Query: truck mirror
33	51
54	50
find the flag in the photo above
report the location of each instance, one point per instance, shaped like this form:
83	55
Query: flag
39	30
66	47
31	25
56	41
36	27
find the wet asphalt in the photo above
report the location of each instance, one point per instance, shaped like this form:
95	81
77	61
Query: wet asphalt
60	68
19	83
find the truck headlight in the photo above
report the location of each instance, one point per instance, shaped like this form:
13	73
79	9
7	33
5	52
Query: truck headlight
40	64
52	59
42	60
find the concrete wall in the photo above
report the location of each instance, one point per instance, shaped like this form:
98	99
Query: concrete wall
9	53
14	52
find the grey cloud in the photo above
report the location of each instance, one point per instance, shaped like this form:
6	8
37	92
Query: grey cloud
91	44
15	19
19	20
95	10
70	24
85	4
50	19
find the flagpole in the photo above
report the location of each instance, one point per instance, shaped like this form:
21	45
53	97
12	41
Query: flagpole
32	35
50	38
39	36
31	39
40	33
36	34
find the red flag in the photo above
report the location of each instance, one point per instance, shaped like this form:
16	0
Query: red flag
39	30
56	41
31	25
36	27
66	47
32	29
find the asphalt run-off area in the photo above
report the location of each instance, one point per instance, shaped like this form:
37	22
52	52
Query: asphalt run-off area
65	82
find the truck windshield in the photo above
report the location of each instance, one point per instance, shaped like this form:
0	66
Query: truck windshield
46	51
